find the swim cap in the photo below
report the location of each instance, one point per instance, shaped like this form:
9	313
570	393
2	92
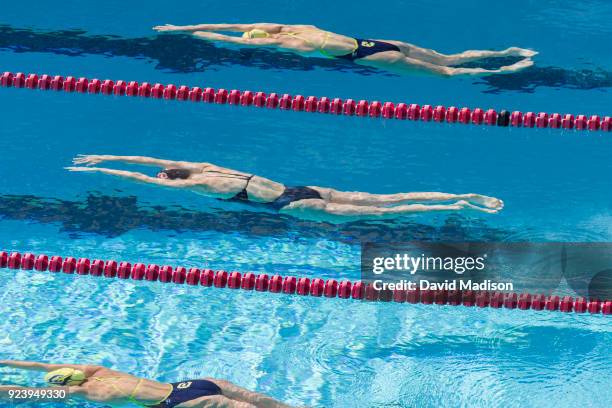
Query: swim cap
65	376
255	33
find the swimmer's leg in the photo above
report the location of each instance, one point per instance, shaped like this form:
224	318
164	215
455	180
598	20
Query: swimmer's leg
395	61
240	395
508	69
437	58
411	64
215	401
360	198
320	210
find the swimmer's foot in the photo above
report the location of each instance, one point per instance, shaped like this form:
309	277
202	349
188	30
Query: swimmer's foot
509	69
167	27
519	66
519	52
485	201
464	205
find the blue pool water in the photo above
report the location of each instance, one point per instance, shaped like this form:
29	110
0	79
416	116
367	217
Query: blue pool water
324	353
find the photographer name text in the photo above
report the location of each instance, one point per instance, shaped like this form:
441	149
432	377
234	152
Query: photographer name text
457	284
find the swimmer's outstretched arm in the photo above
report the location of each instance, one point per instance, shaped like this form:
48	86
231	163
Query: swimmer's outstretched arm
36	366
4	389
220	27
91	159
236	40
134	176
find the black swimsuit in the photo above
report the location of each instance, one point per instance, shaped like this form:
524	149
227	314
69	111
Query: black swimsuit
368	47
188	391
290	195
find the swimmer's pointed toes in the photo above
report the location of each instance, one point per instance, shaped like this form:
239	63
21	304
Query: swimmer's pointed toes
499	205
489	210
520	52
165	27
519	66
486	207
495	204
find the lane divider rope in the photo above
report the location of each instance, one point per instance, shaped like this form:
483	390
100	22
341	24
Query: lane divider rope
292	285
333	106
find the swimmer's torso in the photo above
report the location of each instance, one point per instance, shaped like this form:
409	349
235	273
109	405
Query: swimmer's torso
114	388
310	39
219	182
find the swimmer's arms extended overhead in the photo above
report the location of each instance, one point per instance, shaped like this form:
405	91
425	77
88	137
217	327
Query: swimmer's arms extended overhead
270	27
36	366
134	176
91	159
236	40
203	31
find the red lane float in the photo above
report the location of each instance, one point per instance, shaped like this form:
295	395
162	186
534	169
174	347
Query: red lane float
315	287
312	104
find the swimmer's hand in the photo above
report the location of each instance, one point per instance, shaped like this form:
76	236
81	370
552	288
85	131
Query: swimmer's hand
168	27
82	169
88	159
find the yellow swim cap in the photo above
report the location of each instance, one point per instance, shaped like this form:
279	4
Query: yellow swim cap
255	33
65	376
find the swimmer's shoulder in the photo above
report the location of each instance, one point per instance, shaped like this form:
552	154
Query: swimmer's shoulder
285	28
100	370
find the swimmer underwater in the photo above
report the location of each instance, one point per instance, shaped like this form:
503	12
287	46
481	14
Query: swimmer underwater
306	202
395	56
115	388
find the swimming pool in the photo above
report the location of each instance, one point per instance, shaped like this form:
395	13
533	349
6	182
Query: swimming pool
304	351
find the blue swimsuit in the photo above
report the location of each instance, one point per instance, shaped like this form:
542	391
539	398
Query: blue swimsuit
368	47
188	391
